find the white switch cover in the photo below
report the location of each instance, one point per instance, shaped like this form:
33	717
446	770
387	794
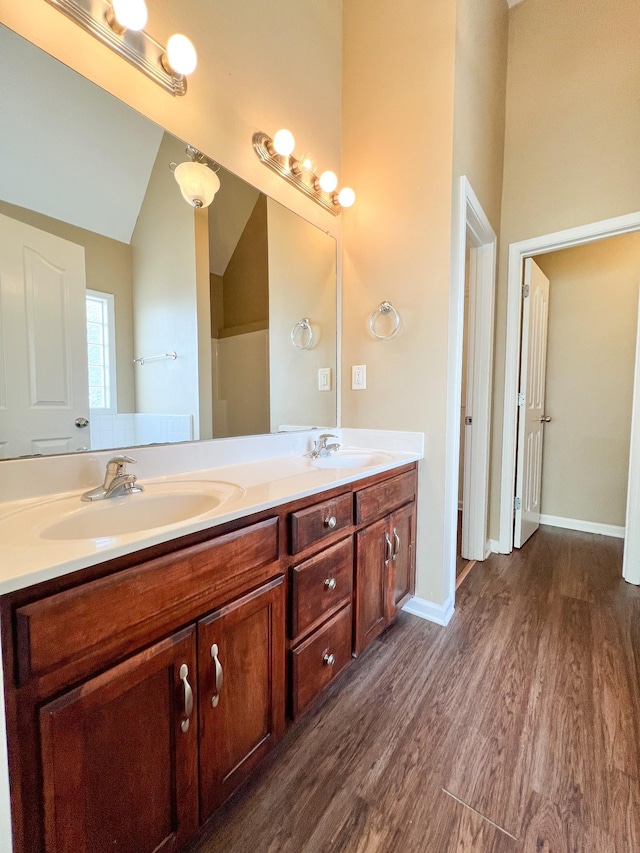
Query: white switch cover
358	377
324	379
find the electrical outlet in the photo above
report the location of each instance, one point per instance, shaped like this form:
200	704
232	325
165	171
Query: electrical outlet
324	379
358	377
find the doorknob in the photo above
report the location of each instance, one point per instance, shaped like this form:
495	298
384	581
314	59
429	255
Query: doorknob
545	419
81	423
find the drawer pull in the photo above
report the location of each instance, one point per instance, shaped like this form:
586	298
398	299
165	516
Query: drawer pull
389	549
329	659
330	522
330	584
219	676
188	697
396	539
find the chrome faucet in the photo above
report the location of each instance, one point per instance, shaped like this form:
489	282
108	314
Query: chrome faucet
116	481
321	448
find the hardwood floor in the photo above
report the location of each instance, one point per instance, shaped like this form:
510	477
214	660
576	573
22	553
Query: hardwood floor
517	728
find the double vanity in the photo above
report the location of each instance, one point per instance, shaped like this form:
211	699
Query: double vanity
157	645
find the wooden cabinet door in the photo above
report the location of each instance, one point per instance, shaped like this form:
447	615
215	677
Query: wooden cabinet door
373	551
401	566
241	663
119	756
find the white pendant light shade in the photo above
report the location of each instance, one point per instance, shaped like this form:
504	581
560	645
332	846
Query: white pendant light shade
198	183
130	14
181	55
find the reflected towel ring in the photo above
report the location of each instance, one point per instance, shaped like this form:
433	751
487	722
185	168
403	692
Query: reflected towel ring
381	311
305	326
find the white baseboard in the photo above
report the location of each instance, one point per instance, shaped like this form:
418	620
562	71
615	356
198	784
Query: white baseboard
439	613
584	526
494	546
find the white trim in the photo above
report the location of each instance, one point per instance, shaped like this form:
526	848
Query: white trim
584	526
439	613
631	558
517	253
469	223
494	546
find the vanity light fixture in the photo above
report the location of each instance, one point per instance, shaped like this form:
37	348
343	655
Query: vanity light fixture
197	178
277	154
119	24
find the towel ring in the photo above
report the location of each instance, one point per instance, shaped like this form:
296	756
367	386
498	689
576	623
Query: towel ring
381	311
305	326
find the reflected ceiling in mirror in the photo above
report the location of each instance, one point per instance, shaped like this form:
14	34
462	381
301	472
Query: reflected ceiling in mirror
126	316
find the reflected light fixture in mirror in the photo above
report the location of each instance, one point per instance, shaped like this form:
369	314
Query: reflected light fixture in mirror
197	178
120	25
277	154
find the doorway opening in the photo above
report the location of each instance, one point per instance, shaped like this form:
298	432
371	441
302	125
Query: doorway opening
467	485
518	253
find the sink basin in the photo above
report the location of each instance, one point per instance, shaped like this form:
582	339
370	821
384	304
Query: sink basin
157	506
351	459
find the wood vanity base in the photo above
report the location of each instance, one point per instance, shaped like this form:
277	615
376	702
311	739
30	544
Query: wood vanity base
142	691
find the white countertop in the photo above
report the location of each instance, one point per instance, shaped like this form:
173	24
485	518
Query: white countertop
27	557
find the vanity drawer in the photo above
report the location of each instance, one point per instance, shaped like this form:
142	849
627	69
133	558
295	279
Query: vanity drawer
317	522
319	659
377	500
321	584
68	635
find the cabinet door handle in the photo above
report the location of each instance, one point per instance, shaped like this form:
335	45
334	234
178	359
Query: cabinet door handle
331	521
389	548
188	697
396	539
219	676
328	659
330	584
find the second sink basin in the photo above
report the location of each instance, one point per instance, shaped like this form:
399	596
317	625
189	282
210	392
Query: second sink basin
351	459
157	506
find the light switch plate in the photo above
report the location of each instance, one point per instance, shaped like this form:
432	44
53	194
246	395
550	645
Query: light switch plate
324	379
358	377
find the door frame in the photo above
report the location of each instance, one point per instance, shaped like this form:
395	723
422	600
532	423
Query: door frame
517	253
471	224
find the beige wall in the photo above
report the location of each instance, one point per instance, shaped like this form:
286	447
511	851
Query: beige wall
398	79
590	363
302	275
480	91
261	66
246	278
572	137
165	295
402	80
108	269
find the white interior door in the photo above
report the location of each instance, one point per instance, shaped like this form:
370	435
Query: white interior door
43	342
533	358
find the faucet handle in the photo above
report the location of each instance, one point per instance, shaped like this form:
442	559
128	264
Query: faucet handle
119	463
327	435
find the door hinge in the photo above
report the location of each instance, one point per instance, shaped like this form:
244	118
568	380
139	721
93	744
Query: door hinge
516	503
468	420
525	290
521	399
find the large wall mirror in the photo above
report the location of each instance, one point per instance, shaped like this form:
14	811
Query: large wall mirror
126	316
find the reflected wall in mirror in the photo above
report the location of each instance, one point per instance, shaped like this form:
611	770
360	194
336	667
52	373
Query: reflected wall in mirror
103	264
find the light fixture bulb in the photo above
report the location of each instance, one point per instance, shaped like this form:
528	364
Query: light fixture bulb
130	14
198	183
181	55
346	197
307	162
284	143
328	182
